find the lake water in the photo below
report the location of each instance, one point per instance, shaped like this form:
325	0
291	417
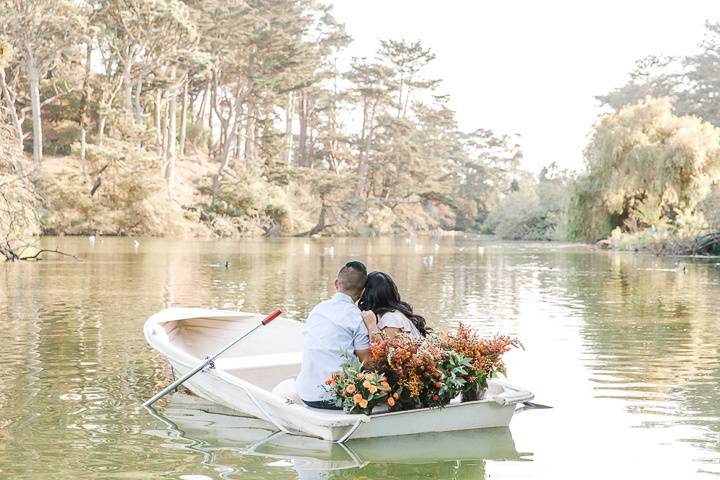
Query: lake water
624	347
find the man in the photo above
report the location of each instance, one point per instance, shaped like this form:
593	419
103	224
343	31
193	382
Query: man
334	331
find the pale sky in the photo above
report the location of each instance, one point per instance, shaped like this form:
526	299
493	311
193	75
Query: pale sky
528	66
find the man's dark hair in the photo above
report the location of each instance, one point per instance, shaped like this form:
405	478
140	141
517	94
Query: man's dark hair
352	277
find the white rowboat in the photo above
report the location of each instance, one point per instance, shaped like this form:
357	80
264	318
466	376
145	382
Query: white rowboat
252	378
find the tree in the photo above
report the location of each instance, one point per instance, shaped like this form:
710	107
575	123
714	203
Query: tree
18	216
645	166
692	82
486	167
42	33
372	89
406	60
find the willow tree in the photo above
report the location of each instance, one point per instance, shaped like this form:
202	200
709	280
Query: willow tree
646	166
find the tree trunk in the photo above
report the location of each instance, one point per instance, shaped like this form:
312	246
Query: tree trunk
250	134
213	106
228	143
238	142
201	113
127	81
289	114
84	114
164	128
364	166
183	119
10	101
171	136
302	139
138	103
101	128
34	77
158	126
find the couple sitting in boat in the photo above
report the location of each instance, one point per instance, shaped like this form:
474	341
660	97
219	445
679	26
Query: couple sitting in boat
343	327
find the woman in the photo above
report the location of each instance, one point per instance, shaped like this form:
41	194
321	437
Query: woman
383	310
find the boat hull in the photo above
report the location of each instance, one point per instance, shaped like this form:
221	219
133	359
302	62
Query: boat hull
228	387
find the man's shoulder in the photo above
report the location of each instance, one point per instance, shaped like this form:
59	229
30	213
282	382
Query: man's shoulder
339	312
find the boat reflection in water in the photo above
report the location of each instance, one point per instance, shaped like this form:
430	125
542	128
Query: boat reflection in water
218	433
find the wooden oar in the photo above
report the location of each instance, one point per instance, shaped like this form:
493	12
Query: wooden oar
208	360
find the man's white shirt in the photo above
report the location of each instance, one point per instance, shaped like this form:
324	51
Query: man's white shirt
333	331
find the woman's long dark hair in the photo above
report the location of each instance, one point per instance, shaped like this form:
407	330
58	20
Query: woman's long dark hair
382	296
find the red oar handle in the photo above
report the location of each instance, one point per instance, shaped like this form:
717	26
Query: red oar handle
272	316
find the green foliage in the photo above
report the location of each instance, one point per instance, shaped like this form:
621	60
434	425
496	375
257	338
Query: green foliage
130	199
693	82
404	166
246	207
198	135
645	167
59	139
536	212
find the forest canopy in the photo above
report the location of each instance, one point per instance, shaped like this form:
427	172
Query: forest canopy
236	118
249	117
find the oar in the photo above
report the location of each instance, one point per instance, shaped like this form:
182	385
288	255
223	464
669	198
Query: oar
208	360
535	405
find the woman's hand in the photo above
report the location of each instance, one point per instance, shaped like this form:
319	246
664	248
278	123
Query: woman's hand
371	321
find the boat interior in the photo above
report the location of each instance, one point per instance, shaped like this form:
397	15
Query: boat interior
265	358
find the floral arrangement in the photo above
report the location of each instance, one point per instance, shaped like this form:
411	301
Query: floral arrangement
485	355
410	373
358	391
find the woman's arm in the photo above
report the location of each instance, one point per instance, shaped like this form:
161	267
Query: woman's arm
391	331
371	322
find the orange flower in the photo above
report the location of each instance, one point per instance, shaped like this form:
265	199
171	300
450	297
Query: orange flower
370	376
358	398
438	384
350	388
359	375
391	401
396	396
436	397
363	403
385	384
372	388
366	384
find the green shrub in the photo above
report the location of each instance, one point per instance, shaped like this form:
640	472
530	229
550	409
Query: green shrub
59	139
535	212
198	135
252	206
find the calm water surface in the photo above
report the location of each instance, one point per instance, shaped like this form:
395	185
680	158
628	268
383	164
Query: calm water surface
624	347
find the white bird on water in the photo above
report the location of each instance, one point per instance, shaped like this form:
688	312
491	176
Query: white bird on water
224	264
91	238
329	251
306	248
136	244
437	247
481	250
428	261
